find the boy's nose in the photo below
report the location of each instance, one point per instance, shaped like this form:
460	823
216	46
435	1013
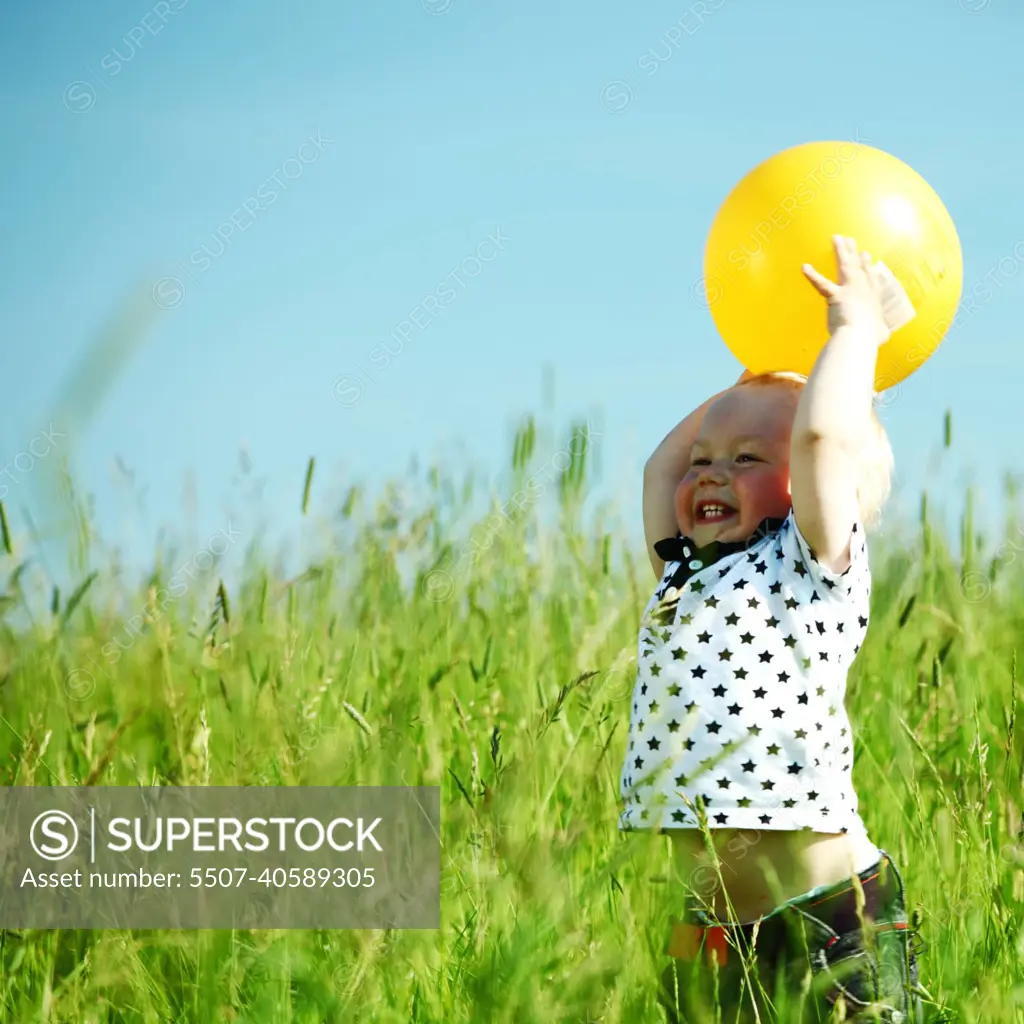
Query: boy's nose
712	474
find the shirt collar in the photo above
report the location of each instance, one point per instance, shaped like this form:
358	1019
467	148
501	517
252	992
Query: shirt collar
684	549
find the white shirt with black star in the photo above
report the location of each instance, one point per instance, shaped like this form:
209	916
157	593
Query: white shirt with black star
738	706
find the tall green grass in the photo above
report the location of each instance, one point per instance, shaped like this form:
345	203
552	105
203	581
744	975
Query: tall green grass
506	683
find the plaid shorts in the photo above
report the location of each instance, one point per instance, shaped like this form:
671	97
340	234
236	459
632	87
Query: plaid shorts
807	957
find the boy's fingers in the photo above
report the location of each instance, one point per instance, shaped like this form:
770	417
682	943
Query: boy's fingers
821	283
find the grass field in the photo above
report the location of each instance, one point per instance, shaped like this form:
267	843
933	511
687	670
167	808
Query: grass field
504	678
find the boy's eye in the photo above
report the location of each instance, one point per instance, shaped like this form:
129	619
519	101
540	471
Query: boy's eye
699	461
746	455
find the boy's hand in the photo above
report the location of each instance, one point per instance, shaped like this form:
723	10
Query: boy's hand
859	297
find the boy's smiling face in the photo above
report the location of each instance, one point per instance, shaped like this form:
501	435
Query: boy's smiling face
739	465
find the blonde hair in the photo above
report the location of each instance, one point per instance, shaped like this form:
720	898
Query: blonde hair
877	461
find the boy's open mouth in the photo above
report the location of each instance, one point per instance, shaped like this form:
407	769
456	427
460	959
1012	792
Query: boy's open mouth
713	511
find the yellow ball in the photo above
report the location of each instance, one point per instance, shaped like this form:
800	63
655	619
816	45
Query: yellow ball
785	212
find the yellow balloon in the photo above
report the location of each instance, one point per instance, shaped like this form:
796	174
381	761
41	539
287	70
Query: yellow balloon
785	212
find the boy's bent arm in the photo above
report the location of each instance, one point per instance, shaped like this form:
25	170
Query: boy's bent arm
830	431
664	469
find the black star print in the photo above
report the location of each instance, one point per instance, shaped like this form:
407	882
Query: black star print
747	638
654	743
766	819
822	655
698	672
794	769
638	763
799	569
697	586
731	619
791	602
800	734
734	709
678	654
772	622
754	730
721	818
724	783
783	677
719	690
744	801
673	726
689	707
790	641
863	622
714	727
752	603
760	692
681	780
839	626
688	744
765	657
740	673
643	690
749	766
655	670
802	699
678	816
820	691
773	748
789	803
768	785
760	568
654	707
820	626
813	795
674	690
712	602
725	655
775	588
739	584
705	637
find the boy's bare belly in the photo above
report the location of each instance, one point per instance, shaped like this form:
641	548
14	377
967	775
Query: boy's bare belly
800	861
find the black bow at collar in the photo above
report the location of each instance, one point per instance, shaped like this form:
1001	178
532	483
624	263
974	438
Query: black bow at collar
692	558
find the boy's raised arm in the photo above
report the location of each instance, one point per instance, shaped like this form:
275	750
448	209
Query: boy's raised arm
833	418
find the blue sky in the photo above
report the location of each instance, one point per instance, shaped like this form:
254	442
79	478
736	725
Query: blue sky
400	137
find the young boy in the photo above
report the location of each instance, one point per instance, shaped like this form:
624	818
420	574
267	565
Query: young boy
755	509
